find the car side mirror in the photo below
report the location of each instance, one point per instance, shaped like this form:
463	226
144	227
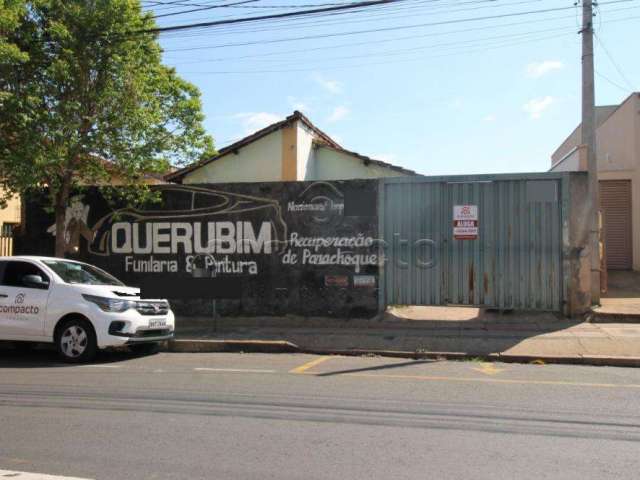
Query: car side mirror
35	281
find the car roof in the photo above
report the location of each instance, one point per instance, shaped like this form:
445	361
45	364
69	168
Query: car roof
38	258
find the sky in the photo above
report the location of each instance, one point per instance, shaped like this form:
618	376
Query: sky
442	87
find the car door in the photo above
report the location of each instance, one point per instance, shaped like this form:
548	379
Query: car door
22	306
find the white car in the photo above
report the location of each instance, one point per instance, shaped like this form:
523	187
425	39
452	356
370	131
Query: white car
78	307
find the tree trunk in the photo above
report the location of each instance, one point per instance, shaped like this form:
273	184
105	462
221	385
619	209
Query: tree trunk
61	202
60	211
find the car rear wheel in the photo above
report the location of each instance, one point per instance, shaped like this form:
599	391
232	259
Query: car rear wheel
76	341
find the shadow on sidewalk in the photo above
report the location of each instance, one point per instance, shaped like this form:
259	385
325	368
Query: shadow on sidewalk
401	328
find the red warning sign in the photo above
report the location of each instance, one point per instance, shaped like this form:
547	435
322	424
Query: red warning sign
465	222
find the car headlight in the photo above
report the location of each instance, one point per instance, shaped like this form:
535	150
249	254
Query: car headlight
109	304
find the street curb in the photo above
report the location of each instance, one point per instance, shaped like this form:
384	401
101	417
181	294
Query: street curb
210	346
596	318
281	346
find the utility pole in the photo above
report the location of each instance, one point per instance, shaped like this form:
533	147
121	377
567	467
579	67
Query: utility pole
589	140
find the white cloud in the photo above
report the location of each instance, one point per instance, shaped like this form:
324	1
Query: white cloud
489	118
539	69
338	113
332	86
253	121
536	106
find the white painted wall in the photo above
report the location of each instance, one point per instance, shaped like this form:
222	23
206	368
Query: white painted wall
334	165
260	161
306	152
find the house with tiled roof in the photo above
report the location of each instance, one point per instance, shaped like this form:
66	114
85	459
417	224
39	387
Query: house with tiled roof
288	150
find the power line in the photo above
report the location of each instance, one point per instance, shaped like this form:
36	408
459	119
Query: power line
615	64
240	5
284	7
617	85
158	5
315	68
445	22
388	52
205	8
360	17
415	50
176	28
351	33
206	5
177	3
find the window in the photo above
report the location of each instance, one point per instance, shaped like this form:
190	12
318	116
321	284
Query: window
15	272
7	229
72	272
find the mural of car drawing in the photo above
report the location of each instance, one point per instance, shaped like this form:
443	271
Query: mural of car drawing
196	204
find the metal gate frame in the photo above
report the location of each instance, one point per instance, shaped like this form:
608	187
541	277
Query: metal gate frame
567	251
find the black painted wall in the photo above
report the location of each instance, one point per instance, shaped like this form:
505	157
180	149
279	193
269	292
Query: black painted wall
317	254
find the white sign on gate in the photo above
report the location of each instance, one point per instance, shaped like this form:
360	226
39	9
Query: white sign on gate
465	222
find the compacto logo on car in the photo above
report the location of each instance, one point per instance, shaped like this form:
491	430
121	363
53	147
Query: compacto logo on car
19	307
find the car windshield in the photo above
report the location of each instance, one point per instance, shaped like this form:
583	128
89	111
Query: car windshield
72	272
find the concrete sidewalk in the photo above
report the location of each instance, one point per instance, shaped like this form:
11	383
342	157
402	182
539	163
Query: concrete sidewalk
424	332
621	303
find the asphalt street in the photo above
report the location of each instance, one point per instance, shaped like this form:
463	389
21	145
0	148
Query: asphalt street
292	416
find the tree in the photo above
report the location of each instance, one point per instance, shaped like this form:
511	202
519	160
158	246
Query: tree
84	96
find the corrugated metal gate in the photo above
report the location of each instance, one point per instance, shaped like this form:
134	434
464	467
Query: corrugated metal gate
515	262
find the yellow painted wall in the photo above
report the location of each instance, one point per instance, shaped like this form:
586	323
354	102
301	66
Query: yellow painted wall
334	165
260	161
290	153
11	213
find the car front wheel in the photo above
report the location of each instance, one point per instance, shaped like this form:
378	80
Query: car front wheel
76	341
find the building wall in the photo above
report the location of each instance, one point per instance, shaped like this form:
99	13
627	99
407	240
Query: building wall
289	151
574	139
619	159
288	154
333	165
260	161
11	214
306	152
574	161
314	249
616	139
618	147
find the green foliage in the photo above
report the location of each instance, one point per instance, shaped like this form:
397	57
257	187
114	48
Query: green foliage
84	99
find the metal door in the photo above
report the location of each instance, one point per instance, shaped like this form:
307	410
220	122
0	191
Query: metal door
514	262
615	203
